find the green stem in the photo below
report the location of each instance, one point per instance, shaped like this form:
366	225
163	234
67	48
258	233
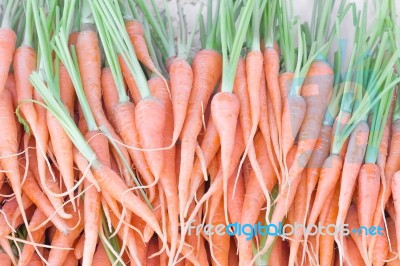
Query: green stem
28	34
230	63
116	28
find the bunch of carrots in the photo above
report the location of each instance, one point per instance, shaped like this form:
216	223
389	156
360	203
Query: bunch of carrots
120	145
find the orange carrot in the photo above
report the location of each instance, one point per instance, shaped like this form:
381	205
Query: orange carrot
271	71
181	75
299	213
130	80
354	257
219	244
33	191
209	146
352	163
327	240
8	39
99	144
150	115
136	35
78	250
100	257
368	190
62	147
381	248
225	111
28	250
391	167
124	117
236	198
254	198
89	61
396	203
4	259
110	93
168	182
58	256
207	69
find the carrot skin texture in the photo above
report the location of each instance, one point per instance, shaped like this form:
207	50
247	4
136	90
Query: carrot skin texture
351	167
181	75
271	70
125	124
150	115
396	203
207	70
99	144
89	62
8	40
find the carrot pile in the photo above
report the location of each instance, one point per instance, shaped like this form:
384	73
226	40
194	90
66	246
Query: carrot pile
121	145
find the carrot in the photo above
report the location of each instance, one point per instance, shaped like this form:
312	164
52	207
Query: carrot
8	40
381	248
100	257
351	167
78	249
152	248
150	115
51	186
299	213
254	197
110	93
330	174
391	167
392	255
168	182
219	244
62	147
130	80
4	259
207	69
235	202
265	128
209	146
368	190
354	257
327	240
225	111
99	144
136	34
181	75
395	194
317	159
33	191
271	71
58	256
280	253
28	250
353	226
285	83
88	54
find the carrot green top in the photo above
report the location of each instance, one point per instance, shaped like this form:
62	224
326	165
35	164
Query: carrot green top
369	78
110	14
232	39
